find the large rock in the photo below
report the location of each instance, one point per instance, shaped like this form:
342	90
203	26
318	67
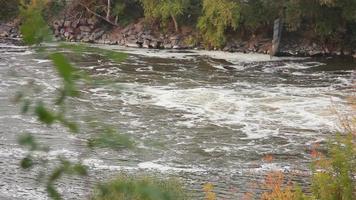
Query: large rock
354	55
83	22
75	23
67	24
96	35
85	28
4	34
56	25
156	44
167	45
146	44
92	21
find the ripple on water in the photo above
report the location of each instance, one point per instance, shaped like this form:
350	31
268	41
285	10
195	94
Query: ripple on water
202	116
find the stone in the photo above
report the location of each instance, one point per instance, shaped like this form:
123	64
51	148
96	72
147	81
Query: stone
146	44
128	44
66	34
86	39
167	46
84	28
112	42
56	25
156	44
177	47
176	37
61	31
67	24
4	34
97	35
75	24
83	22
56	33
91	21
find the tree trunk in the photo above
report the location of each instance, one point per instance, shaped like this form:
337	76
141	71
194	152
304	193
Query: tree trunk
108	11
176	27
116	19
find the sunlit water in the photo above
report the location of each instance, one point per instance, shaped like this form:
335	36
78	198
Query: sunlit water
200	116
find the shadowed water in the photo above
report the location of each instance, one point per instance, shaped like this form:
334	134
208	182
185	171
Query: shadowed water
201	116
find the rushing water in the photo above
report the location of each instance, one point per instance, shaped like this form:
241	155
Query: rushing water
201	116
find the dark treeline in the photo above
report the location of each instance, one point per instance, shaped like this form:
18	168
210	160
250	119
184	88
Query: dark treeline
331	22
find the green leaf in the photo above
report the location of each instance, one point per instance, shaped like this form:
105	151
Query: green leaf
26	162
29	141
25	106
34	28
56	174
80	170
53	193
63	66
73	127
44	115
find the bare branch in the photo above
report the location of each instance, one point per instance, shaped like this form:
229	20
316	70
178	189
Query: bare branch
96	14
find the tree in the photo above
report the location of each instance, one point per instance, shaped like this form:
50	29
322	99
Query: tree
8	9
165	9
217	16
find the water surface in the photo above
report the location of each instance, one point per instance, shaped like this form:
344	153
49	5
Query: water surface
201	116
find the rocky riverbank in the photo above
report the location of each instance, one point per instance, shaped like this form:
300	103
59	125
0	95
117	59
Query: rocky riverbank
139	35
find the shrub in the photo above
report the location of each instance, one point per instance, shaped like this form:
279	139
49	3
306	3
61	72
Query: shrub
127	187
334	174
217	16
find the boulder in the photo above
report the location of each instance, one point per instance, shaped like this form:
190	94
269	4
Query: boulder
66	34
92	21
130	44
85	38
56	25
96	35
4	34
156	44
167	46
83	22
75	24
146	44
84	28
67	24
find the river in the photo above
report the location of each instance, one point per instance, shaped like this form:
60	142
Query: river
197	115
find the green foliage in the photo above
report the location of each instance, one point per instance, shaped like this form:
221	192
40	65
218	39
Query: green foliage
165	9
26	162
34	28
64	168
217	16
28	141
260	13
44	115
9	9
333	175
139	188
126	11
54	8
